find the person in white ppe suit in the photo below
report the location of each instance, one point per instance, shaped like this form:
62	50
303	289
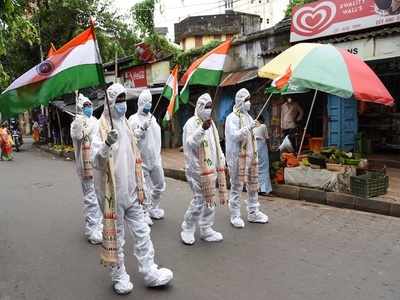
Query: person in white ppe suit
148	134
239	127
197	129
117	144
85	125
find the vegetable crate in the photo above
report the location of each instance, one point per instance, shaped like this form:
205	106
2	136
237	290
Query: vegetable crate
369	185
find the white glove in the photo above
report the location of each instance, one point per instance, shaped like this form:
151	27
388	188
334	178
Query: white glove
76	130
253	124
244	132
138	132
112	137
146	124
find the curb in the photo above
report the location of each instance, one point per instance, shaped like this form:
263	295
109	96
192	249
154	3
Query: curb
374	205
69	156
175	174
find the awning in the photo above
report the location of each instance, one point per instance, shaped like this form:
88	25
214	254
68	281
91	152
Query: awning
238	77
70	109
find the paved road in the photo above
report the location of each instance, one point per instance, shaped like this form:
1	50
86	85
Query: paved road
306	252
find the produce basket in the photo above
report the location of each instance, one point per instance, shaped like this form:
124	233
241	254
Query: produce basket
369	185
352	162
335	167
317	161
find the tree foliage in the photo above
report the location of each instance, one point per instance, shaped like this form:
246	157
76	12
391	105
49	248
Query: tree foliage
58	21
14	27
143	17
294	3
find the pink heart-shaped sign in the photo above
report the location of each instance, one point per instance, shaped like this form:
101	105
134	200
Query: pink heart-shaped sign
310	20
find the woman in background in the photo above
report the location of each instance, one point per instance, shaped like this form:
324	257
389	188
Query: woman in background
261	135
5	143
36	132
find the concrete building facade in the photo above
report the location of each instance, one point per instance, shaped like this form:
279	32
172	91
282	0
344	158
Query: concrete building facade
194	32
168	12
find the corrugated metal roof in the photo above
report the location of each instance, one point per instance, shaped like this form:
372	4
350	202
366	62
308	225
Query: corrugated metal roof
238	77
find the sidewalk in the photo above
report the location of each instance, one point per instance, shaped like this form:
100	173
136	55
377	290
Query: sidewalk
173	163
389	204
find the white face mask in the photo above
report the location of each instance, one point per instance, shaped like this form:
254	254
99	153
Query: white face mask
247	106
205	114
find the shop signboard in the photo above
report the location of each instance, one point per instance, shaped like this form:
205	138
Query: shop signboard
136	76
373	48
330	17
159	73
363	48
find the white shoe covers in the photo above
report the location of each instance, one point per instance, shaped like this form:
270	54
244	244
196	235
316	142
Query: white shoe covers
158	277
257	217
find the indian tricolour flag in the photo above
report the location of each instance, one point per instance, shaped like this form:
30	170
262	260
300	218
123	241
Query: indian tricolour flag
75	65
206	70
52	50
171	93
283	85
282	81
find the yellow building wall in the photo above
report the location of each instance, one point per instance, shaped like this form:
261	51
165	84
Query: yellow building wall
207	39
189	43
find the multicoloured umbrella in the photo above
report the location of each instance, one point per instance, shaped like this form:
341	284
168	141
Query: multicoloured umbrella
328	69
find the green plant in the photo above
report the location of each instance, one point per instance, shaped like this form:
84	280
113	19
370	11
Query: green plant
184	59
294	3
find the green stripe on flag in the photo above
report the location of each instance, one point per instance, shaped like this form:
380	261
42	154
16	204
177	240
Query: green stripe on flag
19	100
201	77
167	92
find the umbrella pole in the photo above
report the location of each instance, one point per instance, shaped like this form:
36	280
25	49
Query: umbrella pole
264	106
308	120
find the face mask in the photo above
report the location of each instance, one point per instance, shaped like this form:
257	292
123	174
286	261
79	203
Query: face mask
247	105
205	114
88	111
120	108
147	107
289	100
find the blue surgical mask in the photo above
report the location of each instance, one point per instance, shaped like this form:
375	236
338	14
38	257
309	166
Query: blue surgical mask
88	111
120	108
147	107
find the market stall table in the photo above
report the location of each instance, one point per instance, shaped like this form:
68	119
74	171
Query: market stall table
323	179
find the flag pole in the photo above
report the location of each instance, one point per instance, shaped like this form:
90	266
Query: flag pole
264	106
158	102
104	89
308	120
159	98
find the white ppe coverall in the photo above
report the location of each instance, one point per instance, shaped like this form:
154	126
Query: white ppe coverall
198	211
85	125
148	134
129	210
235	134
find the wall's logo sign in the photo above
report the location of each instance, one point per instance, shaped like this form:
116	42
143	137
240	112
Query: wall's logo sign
313	20
45	68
